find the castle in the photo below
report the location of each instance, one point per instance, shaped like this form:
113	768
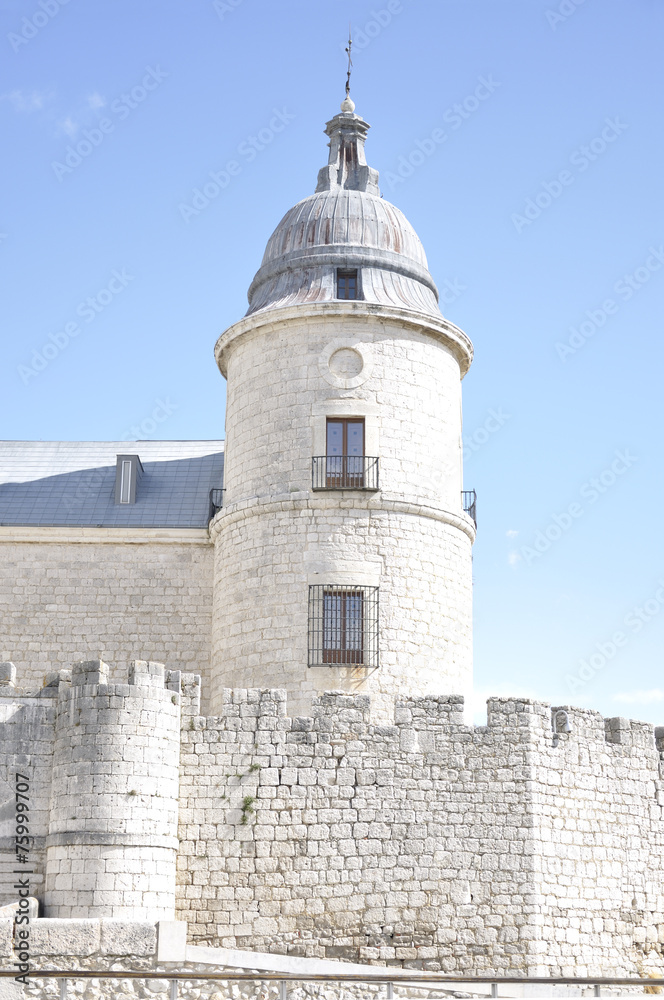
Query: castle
235	672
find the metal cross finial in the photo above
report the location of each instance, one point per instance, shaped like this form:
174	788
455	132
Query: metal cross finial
350	62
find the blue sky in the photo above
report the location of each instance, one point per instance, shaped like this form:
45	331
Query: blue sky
540	211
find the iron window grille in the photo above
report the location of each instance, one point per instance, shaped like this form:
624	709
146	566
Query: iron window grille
347	284
343	626
469	504
216	503
344	472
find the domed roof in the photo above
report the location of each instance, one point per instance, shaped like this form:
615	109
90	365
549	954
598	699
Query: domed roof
345	224
344	218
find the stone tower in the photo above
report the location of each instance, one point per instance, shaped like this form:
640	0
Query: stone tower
342	550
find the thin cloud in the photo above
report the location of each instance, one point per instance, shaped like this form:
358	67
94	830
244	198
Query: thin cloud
512	533
513	558
96	101
25	102
68	126
639	696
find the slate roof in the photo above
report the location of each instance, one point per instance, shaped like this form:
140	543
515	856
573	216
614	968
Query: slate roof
62	483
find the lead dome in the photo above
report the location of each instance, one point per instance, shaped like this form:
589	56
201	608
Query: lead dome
344	224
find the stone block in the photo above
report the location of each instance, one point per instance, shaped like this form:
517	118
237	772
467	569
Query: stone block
54	936
145	673
171	941
89	672
122	937
11	909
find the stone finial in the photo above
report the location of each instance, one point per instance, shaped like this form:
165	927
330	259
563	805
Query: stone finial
347	165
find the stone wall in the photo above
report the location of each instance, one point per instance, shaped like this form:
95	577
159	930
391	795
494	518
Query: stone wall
102	765
160	951
398	549
27	735
276	536
119	594
112	839
427	842
424	843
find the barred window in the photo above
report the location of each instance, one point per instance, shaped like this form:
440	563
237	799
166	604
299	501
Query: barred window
343	626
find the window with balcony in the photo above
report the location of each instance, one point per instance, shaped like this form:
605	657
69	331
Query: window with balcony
345	466
343	626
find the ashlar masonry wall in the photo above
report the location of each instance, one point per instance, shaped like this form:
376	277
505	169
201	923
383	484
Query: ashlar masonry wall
427	842
599	845
67	593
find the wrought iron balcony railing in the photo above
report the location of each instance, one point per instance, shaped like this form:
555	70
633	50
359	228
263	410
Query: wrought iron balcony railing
344	472
216	503
469	503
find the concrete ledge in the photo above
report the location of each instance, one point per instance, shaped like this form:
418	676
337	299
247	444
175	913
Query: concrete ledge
112	536
457	342
101	839
289	964
317	504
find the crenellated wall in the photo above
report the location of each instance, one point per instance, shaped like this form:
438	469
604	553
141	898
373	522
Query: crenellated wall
427	842
102	765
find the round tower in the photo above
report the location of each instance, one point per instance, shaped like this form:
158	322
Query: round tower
342	550
112	837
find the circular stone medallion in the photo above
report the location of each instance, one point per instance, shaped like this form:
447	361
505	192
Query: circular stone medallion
345	364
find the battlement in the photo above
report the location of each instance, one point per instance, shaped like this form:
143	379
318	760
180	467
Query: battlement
253	823
436	827
246	710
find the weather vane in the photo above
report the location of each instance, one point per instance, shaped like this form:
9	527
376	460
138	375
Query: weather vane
350	62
